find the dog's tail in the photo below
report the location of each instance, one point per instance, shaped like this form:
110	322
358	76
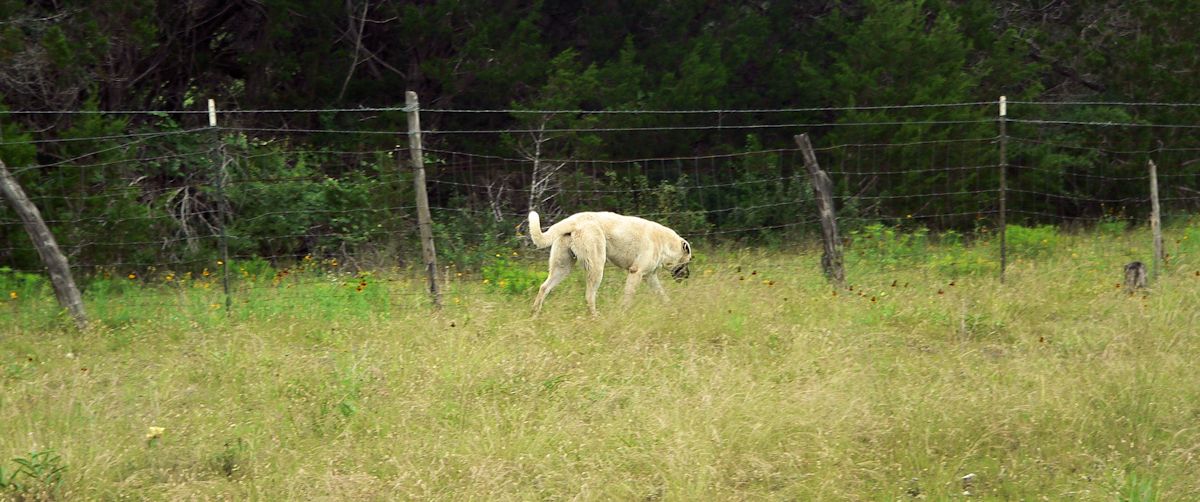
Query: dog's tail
540	239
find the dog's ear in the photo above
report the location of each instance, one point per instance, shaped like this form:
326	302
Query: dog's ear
687	248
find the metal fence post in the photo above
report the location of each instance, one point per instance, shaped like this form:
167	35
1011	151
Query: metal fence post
1003	186
222	163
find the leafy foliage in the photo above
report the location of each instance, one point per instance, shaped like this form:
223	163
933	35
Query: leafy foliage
36	477
511	277
538	59
1031	242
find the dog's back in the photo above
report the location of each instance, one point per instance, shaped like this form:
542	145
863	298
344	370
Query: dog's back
615	226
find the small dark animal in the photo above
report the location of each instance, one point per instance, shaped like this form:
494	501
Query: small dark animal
1135	276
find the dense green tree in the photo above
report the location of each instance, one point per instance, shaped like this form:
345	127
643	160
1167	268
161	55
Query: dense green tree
575	55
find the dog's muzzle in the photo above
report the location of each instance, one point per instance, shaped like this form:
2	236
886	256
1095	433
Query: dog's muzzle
680	272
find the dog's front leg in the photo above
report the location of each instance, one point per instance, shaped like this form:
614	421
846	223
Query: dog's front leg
657	286
631	284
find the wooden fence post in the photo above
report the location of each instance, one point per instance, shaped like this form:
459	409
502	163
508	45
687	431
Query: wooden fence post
424	220
1155	220
47	247
831	260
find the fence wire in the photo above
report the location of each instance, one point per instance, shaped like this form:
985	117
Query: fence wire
327	212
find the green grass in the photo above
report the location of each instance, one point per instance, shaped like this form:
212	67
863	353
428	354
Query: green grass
755	382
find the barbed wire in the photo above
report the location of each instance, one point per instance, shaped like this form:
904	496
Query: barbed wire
615	161
102	138
500	110
1101	149
1102	123
1105	103
728	197
796	125
626	190
1061	196
1084	174
377	109
729	111
138	140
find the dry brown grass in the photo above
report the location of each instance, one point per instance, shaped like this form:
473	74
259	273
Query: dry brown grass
751	384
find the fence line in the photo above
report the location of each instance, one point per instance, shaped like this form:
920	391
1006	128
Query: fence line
146	203
607	112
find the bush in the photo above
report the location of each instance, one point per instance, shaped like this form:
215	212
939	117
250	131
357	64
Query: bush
1031	242
959	261
16	285
509	277
889	246
1111	225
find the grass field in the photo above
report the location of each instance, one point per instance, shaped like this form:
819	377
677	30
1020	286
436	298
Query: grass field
930	379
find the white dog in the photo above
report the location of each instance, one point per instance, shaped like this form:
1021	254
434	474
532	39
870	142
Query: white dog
639	246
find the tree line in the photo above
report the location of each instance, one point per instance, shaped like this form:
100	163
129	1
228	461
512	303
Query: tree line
557	55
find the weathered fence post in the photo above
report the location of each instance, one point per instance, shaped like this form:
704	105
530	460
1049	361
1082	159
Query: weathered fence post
47	247
831	260
424	220
1155	220
1003	230
222	164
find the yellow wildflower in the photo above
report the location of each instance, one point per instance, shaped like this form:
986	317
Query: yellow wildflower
12	295
153	432
132	276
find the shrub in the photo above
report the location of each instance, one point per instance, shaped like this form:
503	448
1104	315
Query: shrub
15	285
509	277
1031	242
889	246
960	261
1111	225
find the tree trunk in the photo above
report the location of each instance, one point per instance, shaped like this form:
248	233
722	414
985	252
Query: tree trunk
47	247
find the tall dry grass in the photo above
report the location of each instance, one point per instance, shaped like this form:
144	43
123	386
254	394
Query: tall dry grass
754	382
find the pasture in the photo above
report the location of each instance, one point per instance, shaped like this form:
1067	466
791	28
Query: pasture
757	381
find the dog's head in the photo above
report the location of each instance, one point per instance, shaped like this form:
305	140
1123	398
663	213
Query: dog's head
679	270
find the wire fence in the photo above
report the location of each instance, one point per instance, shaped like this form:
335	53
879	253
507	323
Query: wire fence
292	205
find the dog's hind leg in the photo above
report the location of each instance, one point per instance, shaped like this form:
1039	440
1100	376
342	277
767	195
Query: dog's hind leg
560	266
590	247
